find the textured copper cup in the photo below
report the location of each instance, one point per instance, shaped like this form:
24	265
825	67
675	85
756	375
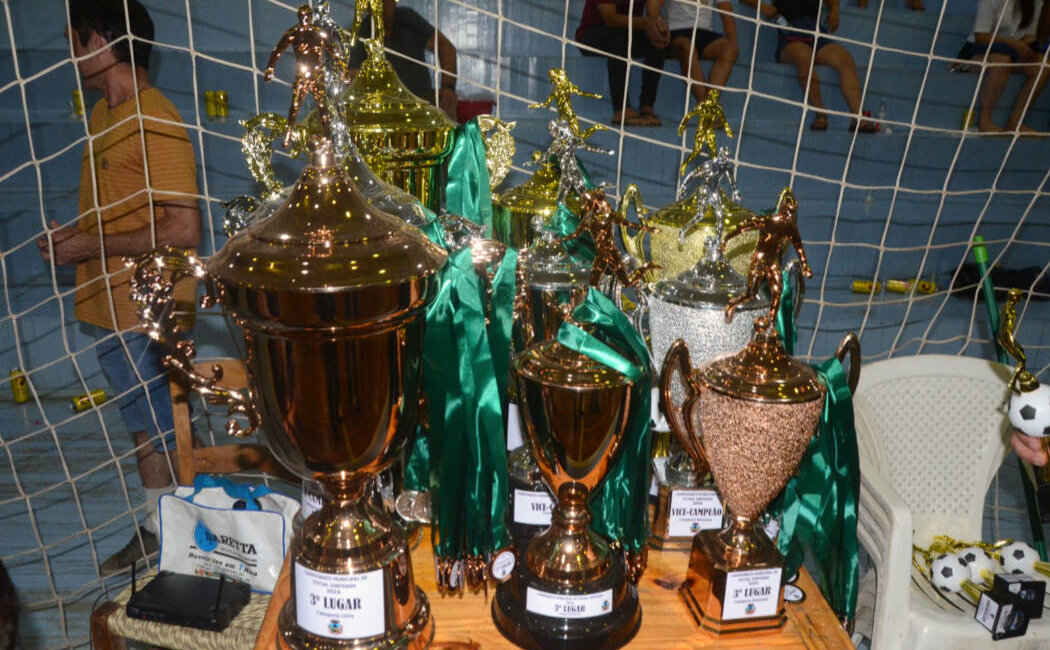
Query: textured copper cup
756	411
329	294
576	412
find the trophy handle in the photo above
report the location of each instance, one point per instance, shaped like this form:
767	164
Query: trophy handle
850	345
681	420
152	287
260	132
798	286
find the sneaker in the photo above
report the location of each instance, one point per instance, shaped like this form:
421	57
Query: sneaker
131	553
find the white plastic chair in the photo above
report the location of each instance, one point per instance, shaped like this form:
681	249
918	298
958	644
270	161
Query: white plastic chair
932	434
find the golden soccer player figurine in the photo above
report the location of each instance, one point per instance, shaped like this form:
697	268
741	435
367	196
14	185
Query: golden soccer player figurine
361	8
600	220
774	230
1022	381
309	42
709	119
561	96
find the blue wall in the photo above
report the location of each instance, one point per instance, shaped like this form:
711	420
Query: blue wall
890	217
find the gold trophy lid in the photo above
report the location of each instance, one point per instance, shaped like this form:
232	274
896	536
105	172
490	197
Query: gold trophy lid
711	284
763	371
538	195
326	237
378	103
552	364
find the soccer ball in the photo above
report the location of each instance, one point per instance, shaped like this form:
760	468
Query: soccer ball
978	561
1018	557
948	572
1030	412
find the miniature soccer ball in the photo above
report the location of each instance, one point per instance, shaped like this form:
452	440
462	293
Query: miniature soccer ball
979	563
948	571
1030	412
1018	557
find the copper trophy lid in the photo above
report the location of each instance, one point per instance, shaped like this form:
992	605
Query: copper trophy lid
552	364
763	371
326	238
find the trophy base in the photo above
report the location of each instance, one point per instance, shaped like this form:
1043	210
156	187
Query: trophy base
683	510
727	594
416	634
352	585
519	602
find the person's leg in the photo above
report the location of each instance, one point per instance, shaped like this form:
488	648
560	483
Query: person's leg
800	55
118	362
840	60
653	57
689	62
611	41
1035	81
995	77
724	53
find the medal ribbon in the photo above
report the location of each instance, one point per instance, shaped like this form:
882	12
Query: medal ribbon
465	369
620	504
467	191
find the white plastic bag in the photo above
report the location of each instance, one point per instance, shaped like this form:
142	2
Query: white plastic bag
218	527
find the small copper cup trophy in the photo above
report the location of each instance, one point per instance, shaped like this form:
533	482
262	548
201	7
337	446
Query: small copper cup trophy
757	410
571	590
330	295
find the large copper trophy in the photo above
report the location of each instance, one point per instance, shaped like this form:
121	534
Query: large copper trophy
329	294
757	410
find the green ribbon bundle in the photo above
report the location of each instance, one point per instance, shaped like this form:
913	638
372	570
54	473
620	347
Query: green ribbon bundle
620	505
818	508
564	222
465	374
467	191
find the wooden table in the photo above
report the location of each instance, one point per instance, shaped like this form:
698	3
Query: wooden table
464	621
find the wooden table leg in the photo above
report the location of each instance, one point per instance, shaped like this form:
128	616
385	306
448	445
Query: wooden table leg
101	637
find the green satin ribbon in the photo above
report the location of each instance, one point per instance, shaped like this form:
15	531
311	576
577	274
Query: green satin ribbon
467	191
819	505
620	505
465	367
785	320
581	248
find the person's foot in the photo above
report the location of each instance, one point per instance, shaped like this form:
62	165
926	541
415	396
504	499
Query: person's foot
989	127
864	126
650	117
628	117
132	553
819	123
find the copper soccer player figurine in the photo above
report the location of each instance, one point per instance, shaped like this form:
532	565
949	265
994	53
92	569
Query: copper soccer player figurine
774	230
1022	381
711	174
709	119
600	220
561	95
309	42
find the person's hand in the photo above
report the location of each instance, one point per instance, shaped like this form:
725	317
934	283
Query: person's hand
448	101
71	245
833	20
658	32
1028	448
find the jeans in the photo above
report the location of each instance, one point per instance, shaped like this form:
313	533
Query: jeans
135	409
614	41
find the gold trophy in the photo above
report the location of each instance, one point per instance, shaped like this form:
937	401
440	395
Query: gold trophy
330	295
571	591
405	139
683	228
757	410
553	182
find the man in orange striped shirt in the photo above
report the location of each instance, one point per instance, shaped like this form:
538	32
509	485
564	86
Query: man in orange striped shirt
138	190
